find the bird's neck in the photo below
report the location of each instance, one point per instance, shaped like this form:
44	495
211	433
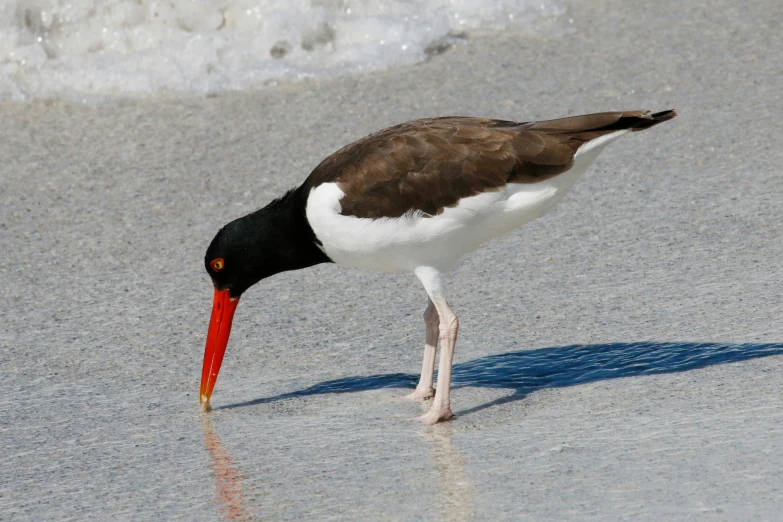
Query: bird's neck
285	233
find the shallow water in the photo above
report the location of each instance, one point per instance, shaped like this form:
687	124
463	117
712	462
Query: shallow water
86	50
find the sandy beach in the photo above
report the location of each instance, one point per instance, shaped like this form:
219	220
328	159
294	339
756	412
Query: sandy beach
620	358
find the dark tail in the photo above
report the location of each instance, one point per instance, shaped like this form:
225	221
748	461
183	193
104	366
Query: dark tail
594	125
648	120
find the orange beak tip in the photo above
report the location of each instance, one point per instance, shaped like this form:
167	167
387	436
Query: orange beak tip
205	405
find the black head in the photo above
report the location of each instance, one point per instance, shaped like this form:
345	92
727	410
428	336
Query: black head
234	260
271	240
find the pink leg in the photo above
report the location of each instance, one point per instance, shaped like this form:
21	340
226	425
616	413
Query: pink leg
448	328
425	390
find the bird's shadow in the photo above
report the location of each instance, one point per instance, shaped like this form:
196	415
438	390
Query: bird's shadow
526	371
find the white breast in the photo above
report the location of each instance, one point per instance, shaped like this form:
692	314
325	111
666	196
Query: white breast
413	240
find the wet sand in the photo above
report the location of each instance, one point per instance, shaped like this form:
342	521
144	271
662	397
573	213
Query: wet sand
622	357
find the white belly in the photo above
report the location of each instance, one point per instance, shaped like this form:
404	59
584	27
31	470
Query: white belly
406	243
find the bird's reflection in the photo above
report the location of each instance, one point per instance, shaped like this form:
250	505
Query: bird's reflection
228	481
455	502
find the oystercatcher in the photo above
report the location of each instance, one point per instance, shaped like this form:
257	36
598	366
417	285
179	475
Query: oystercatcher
411	198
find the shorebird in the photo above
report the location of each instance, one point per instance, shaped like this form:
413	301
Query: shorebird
415	198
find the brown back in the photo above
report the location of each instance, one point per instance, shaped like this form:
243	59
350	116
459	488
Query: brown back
430	164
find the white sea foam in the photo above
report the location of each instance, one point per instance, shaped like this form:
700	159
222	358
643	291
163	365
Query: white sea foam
92	49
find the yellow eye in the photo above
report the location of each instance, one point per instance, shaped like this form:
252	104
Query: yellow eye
217	264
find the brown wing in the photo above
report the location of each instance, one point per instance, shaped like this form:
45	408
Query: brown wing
428	165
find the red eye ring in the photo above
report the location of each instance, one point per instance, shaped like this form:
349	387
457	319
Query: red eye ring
217	264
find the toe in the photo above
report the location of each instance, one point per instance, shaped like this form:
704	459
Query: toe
435	416
420	395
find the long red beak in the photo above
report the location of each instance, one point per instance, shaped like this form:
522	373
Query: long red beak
223	307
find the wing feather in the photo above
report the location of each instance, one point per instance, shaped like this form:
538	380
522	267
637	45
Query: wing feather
428	165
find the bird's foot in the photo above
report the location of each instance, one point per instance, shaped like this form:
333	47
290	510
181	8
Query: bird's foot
436	415
420	394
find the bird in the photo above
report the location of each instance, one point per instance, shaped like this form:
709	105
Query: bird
412	198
